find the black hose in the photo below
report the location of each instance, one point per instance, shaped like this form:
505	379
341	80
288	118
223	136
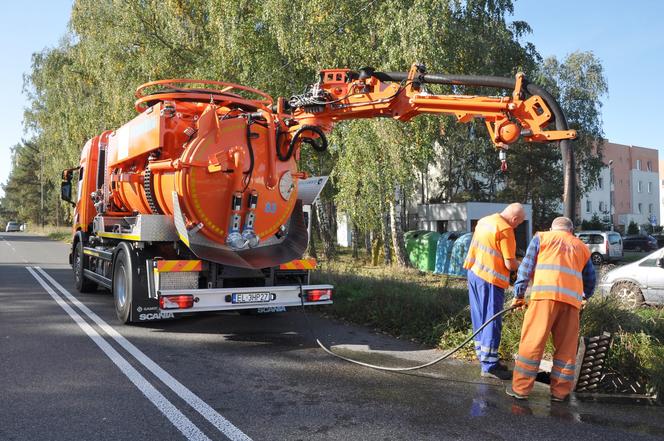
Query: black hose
394	369
421	366
297	135
566	149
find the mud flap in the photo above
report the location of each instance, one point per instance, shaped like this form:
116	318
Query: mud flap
144	308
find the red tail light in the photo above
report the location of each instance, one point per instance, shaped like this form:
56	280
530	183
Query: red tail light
606	244
176	302
317	295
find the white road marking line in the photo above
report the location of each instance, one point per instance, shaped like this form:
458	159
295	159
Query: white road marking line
179	420
12	247
221	423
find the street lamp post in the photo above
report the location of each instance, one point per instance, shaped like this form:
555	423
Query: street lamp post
611	194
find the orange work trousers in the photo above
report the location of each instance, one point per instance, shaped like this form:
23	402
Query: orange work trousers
544	317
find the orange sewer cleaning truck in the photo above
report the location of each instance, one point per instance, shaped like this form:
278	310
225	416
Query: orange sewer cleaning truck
197	203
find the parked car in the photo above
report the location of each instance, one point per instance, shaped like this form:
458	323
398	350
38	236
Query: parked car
639	242
660	239
637	283
604	246
12	226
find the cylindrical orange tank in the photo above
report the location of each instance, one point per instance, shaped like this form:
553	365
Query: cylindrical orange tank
214	151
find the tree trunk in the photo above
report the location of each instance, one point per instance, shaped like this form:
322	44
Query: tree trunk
355	239
387	249
329	250
367	242
396	229
375	250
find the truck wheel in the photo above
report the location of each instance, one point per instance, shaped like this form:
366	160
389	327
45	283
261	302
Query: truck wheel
597	259
82	284
628	294
123	285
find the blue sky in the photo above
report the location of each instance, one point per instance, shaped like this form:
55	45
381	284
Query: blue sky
628	38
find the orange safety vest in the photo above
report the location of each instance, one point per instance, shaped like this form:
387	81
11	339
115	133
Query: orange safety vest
484	256
558	272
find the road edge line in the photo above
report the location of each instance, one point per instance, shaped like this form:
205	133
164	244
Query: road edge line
172	413
204	409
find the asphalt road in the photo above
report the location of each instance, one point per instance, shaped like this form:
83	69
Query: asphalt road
68	370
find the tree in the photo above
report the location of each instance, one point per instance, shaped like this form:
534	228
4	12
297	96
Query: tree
632	228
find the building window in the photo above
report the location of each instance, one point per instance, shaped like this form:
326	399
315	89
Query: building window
638	187
649	187
589	206
638	164
650	208
640	208
600	183
649	166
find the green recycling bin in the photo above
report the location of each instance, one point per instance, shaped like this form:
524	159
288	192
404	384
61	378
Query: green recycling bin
421	246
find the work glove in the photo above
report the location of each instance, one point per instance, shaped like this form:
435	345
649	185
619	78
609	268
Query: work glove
519	303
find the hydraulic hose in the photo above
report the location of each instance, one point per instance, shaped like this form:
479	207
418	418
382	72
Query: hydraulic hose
566	150
421	366
398	369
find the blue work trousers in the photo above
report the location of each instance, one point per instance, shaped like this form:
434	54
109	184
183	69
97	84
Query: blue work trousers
486	300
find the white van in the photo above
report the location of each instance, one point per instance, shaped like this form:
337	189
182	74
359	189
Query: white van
605	246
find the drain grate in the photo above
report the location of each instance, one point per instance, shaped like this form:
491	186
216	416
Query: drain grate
590	362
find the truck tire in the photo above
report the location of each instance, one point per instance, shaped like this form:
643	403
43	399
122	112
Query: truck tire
78	263
124	283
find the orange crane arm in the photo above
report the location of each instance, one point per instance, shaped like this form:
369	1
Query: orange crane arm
343	94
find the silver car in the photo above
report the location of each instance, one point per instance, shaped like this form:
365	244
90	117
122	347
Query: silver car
604	246
637	283
12	226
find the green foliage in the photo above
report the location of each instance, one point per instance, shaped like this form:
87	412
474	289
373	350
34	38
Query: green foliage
595	223
84	86
632	228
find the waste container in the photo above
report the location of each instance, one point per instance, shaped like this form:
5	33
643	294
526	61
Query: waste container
421	247
444	251
458	255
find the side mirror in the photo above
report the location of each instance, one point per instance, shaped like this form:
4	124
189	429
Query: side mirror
65	187
65	191
660	262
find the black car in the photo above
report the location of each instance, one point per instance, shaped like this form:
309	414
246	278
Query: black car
639	242
660	239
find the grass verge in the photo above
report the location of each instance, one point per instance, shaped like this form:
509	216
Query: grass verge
434	310
52	232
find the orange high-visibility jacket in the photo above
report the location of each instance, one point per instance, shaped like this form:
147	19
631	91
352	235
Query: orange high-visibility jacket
560	262
485	257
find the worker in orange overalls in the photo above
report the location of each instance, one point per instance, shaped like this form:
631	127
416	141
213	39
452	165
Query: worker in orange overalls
563	279
491	257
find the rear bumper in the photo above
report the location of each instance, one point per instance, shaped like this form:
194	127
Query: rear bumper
220	299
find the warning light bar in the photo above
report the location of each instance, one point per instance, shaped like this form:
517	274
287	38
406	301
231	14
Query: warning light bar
176	302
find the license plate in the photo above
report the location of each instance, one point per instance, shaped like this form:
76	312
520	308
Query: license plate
251	297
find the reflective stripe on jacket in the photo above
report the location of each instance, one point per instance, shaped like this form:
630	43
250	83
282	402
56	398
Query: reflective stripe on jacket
558	272
484	256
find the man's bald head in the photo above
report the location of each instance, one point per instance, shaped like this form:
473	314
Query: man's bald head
514	214
562	224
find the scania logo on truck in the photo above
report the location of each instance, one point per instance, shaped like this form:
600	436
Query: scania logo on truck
156	316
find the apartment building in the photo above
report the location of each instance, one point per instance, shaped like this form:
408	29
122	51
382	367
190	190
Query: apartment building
628	188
